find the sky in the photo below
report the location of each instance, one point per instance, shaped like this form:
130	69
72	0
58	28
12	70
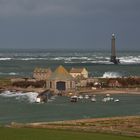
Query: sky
69	24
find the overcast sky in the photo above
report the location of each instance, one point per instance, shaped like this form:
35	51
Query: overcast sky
80	24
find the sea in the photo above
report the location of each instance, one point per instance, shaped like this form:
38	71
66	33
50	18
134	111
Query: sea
23	62
21	107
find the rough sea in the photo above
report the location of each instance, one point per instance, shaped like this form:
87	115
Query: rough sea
21	107
22	63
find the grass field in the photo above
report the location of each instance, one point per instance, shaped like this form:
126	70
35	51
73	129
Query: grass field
46	134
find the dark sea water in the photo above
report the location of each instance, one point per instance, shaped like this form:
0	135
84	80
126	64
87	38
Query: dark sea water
22	63
21	108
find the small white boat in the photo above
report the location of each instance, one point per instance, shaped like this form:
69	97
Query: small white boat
38	100
42	98
106	99
86	96
111	99
116	100
80	97
93	99
74	98
107	95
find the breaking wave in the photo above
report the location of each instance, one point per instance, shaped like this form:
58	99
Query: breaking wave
4	59
130	60
112	75
10	73
29	96
101	58
28	59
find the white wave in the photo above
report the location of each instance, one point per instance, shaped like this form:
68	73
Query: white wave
28	59
99	57
3	59
29	96
23	59
57	58
70	58
130	60
97	62
11	73
112	75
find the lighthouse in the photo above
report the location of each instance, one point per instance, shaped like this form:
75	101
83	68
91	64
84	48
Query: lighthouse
113	51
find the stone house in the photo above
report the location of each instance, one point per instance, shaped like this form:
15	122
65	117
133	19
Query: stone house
42	73
114	83
79	72
60	80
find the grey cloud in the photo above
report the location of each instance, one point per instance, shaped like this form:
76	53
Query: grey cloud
66	7
76	23
36	7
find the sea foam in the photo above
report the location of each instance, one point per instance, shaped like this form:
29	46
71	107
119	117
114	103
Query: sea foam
29	96
10	73
4	59
112	75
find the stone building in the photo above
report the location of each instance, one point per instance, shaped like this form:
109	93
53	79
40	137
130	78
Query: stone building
114	83
79	72
60	80
42	73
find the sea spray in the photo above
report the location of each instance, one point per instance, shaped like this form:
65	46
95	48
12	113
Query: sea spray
29	96
112	75
22	63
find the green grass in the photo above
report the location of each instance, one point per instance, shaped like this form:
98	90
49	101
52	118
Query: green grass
46	134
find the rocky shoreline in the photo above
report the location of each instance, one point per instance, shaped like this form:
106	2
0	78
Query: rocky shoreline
23	90
85	91
30	85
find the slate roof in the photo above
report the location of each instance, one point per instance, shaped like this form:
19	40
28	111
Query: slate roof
60	74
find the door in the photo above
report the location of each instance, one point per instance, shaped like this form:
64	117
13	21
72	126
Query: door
61	85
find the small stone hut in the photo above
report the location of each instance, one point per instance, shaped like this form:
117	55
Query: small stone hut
60	80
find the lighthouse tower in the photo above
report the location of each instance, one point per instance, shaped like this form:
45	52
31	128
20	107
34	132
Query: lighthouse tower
113	51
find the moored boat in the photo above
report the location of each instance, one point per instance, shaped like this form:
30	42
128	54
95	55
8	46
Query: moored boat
86	96
80	97
116	100
74	98
93	99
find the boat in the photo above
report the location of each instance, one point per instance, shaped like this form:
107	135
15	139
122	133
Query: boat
38	100
93	99
106	99
111	99
86	96
116	100
107	95
74	98
42	97
80	97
